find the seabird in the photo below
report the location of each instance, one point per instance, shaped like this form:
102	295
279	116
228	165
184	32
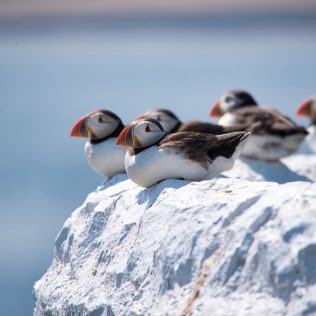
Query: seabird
154	156
273	135
102	128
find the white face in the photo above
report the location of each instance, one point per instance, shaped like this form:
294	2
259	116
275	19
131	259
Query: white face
146	133
100	124
229	101
168	123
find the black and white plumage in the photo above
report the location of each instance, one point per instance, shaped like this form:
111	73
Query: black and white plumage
102	128
154	156
172	124
308	109
273	135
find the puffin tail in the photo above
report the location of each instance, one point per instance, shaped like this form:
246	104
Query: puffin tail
231	138
229	143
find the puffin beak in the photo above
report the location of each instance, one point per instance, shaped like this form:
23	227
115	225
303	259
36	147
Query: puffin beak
136	142
304	109
125	138
216	110
79	129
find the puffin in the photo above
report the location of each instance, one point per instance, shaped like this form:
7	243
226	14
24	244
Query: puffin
101	128
308	109
153	155
273	135
172	124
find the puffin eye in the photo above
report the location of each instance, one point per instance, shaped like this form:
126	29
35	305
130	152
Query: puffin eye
147	129
100	120
158	118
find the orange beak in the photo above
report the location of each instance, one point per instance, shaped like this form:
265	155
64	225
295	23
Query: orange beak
304	109
125	137
79	129
216	110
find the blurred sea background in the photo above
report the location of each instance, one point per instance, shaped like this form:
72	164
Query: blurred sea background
58	63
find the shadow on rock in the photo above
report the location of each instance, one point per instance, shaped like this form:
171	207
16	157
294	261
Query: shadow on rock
276	171
257	170
151	194
111	181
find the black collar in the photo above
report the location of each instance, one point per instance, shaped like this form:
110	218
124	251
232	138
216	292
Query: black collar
175	129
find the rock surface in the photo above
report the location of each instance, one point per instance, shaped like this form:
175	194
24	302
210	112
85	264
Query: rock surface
303	165
220	247
299	167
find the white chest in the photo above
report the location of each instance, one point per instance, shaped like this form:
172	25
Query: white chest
227	119
106	158
311	138
154	165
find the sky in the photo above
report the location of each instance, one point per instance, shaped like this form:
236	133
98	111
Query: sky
30	8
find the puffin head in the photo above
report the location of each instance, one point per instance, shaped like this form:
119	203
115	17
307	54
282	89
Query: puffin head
142	133
231	101
308	109
97	125
166	118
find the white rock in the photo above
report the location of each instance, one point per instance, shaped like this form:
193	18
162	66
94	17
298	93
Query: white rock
289	169
303	165
220	247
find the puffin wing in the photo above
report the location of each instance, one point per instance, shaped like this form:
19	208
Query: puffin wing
284	126
269	121
209	128
203	148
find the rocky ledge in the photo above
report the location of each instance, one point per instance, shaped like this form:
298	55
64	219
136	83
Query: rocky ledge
223	247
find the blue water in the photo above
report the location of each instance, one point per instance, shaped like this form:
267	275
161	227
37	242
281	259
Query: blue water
49	79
